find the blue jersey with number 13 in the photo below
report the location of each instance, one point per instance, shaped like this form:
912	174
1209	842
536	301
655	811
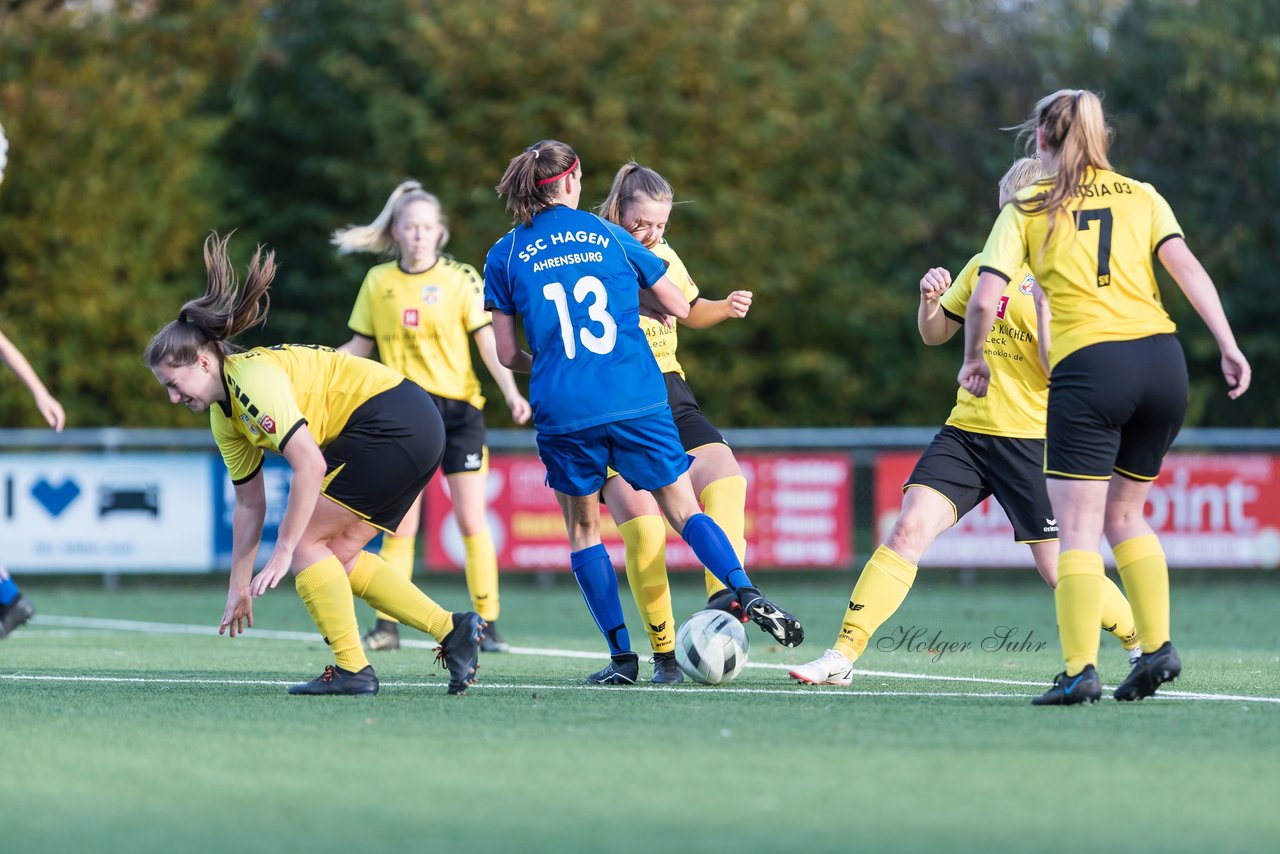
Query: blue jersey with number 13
573	278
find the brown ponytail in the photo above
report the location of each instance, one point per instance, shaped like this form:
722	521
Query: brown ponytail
528	182
634	183
226	309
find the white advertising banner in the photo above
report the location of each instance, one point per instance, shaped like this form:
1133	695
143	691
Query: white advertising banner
88	512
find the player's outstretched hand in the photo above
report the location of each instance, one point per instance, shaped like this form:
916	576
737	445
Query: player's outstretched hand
238	615
52	412
1236	371
277	568
739	303
935	283
974	377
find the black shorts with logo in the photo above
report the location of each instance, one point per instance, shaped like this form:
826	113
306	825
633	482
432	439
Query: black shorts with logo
967	467
1116	407
464	449
695	430
385	455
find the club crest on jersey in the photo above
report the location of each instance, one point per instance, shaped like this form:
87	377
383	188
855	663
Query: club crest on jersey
253	428
1028	285
268	423
409	318
431	294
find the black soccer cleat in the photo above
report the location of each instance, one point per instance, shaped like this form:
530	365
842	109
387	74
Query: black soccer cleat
725	600
15	614
459	652
385	634
491	641
1084	687
665	669
623	669
1149	672
335	680
785	628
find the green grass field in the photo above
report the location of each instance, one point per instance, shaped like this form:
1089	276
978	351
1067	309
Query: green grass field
150	735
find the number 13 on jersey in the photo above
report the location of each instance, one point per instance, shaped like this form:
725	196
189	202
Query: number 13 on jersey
597	312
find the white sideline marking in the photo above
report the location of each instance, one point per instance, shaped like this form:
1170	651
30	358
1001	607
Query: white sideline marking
413	643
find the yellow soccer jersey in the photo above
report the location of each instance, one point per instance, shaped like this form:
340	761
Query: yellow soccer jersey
662	340
1016	402
422	323
272	392
1097	271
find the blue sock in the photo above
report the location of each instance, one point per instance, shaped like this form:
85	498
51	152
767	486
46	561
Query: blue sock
594	572
713	548
8	591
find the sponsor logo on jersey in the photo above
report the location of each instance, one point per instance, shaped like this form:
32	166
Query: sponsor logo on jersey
472	461
1050	526
253	428
1028	285
1002	307
409	318
268	423
431	294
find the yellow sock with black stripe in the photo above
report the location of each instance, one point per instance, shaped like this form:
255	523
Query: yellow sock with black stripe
324	590
1145	574
1078	599
1117	616
646	541
374	581
397	552
881	588
725	501
482	574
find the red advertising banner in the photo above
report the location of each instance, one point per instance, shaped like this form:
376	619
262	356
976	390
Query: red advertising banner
1212	511
799	516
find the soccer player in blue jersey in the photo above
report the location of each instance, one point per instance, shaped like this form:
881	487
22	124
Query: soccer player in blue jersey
578	282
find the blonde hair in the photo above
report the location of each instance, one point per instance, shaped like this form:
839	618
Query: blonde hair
1023	172
226	309
377	236
1072	124
634	183
523	185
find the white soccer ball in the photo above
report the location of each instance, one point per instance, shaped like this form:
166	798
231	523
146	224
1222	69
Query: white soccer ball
711	647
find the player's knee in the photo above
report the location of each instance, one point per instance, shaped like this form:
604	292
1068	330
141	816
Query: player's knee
911	535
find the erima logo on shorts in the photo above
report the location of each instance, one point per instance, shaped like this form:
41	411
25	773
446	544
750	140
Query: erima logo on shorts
1050	526
472	461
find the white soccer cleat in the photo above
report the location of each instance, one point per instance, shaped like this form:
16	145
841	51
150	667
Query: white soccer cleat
831	669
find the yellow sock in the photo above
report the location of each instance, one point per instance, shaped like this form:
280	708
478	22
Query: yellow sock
482	574
646	540
378	584
324	590
725	501
397	552
1078	599
1117	616
881	588
1146	579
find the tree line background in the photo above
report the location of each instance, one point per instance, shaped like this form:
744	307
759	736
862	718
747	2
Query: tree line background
824	154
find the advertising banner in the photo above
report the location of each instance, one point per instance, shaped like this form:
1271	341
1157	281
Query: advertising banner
1211	511
73	512
799	515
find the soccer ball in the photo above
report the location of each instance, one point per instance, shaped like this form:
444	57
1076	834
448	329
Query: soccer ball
711	647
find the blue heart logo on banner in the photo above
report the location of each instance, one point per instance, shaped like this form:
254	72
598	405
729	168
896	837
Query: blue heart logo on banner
55	499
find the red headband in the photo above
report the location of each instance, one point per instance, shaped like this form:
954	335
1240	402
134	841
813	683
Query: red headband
555	178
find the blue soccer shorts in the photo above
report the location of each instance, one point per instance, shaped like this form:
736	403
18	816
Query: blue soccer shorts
646	451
